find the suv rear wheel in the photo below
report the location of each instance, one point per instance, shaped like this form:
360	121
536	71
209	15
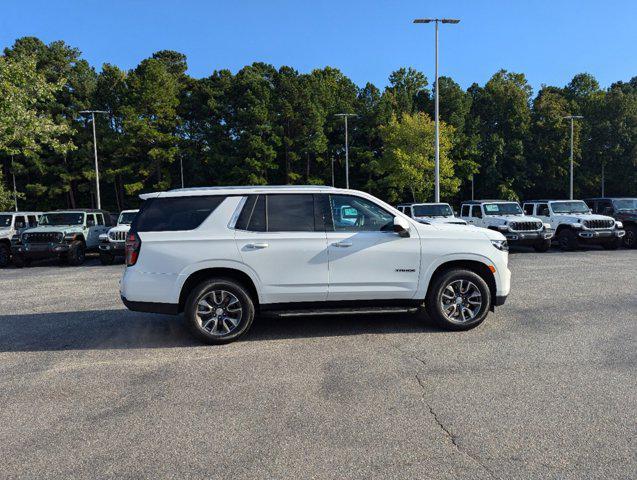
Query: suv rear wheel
458	300
219	310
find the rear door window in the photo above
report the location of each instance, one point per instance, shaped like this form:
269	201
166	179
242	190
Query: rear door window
175	213
528	209
33	221
476	212
290	213
464	211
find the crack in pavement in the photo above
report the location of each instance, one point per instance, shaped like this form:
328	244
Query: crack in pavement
453	438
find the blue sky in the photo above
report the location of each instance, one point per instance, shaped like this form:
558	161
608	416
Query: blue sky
549	41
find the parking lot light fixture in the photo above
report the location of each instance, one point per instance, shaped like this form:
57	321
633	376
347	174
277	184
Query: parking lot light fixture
346	116
436	104
97	172
571	118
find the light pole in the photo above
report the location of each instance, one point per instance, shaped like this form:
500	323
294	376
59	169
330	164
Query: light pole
436	118
15	190
332	171
345	116
97	172
571	118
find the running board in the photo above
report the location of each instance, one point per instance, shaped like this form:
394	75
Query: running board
342	311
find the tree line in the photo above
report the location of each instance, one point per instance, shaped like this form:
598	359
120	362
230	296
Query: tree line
263	125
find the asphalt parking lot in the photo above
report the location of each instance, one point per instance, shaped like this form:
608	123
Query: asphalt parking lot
545	388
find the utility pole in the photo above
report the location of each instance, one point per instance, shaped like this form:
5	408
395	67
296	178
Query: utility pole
97	171
436	103
345	116
571	118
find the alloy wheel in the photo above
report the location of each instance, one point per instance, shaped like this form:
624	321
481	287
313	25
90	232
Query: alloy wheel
219	312
461	301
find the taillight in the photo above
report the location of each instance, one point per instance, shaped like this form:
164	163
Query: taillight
133	246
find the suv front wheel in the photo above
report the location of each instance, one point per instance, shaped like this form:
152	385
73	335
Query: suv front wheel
219	310
458	300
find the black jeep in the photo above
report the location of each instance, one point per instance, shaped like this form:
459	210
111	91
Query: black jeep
621	209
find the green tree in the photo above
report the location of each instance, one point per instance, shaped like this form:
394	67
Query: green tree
408	158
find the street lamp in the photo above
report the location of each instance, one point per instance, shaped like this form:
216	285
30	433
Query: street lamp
97	172
436	119
345	116
571	118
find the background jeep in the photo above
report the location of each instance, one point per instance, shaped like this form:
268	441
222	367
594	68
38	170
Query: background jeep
574	224
431	213
13	223
112	243
622	209
508	218
65	234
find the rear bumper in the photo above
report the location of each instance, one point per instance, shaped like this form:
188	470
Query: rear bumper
499	300
151	307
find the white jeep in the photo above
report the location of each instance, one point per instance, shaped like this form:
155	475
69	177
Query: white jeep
574	224
112	243
431	213
508	218
14	223
65	234
222	254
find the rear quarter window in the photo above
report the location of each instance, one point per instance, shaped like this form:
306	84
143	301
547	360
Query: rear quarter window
170	214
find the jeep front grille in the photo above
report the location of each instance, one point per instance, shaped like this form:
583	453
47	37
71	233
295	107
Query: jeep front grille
42	237
526	226
117	236
599	223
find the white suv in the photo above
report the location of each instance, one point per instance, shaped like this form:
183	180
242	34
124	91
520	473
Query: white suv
220	255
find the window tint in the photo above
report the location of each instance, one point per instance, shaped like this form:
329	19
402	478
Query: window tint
476	212
290	213
33	221
19	222
90	220
528	209
257	220
464	212
408	211
246	212
355	214
175	213
100	219
543	210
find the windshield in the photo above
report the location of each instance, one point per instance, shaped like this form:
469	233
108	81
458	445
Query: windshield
440	210
5	221
127	218
502	209
626	204
570	207
63	218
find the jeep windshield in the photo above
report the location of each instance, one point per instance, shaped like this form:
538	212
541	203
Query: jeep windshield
63	218
127	218
623	204
441	210
509	208
5	221
570	207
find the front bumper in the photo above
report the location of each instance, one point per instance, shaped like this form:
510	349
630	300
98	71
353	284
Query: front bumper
599	236
39	250
526	238
114	248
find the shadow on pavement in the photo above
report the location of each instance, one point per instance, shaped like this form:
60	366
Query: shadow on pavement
123	329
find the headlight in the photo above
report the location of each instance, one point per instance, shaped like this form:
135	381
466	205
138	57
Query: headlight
500	245
576	224
619	225
547	226
103	237
503	227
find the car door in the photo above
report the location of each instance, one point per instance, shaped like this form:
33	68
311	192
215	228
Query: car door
19	223
367	259
543	213
465	214
91	226
282	239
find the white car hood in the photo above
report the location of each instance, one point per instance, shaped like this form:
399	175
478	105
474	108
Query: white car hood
513	218
120	228
464	231
439	220
574	217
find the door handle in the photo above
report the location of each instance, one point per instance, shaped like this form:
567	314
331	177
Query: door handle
257	246
342	244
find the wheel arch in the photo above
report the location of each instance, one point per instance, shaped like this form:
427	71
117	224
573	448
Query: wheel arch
199	276
475	266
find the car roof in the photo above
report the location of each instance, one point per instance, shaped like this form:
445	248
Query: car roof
611	198
421	203
246	190
553	200
20	213
480	202
78	210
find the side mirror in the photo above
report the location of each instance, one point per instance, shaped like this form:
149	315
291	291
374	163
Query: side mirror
401	226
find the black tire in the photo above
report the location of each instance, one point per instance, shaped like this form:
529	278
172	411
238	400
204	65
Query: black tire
612	244
20	262
434	300
204	291
567	239
107	259
542	246
77	253
630	239
5	255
